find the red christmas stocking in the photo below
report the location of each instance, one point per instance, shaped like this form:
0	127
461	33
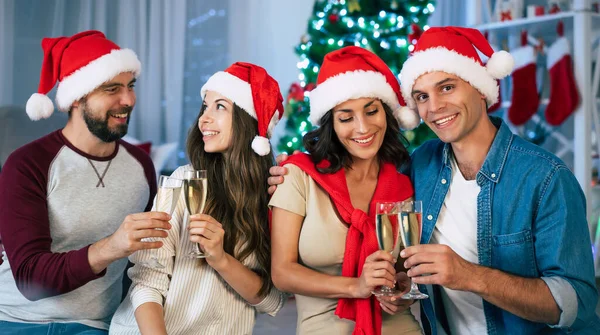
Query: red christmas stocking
564	97
525	99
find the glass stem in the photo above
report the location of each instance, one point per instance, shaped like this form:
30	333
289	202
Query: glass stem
414	288
197	249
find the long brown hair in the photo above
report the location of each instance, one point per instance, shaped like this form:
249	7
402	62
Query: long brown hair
237	196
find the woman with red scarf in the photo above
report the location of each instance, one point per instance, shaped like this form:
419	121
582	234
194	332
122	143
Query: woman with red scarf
323	244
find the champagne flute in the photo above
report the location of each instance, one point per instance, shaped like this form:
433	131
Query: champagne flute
387	232
195	188
167	196
411	213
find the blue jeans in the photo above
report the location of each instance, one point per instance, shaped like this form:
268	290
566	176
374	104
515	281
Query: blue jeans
17	328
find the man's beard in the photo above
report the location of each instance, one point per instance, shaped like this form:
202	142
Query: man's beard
99	126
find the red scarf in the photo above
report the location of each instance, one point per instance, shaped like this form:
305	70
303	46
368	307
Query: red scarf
361	240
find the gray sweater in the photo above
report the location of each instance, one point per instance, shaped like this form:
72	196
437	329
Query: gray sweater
52	207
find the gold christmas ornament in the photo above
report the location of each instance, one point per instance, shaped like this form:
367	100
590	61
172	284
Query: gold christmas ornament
353	6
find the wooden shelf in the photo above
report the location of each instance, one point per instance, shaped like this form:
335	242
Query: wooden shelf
537	26
526	21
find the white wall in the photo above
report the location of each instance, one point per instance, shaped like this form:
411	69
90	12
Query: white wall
265	32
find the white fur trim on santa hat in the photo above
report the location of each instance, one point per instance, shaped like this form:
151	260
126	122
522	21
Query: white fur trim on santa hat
442	59
87	78
232	87
39	106
407	118
559	49
523	56
261	145
346	86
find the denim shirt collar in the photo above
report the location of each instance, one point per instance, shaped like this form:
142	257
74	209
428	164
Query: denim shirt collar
496	157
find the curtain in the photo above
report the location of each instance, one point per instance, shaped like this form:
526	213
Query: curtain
7	32
449	13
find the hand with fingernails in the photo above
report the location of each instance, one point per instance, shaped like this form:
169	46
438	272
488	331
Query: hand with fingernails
377	270
209	234
128	239
441	266
395	304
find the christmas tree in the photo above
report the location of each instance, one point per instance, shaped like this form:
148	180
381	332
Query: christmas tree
389	28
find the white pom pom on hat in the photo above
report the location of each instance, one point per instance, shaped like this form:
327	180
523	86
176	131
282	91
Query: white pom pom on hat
500	64
261	145
39	106
407	118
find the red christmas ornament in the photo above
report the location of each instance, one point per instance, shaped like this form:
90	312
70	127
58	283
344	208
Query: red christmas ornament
296	92
554	9
416	33
334	18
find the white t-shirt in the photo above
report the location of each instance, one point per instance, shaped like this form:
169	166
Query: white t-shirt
456	227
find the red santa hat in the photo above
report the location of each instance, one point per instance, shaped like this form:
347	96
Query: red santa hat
256	92
351	73
80	64
454	50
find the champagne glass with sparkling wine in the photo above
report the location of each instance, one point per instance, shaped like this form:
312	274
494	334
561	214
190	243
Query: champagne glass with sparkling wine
195	187
411	216
167	196
387	232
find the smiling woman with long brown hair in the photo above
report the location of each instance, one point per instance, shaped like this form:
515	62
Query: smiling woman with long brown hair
222	294
323	235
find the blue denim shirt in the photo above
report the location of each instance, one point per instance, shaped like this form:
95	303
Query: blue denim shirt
531	222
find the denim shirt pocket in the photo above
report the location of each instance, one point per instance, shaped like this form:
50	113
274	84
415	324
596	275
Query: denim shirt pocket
514	253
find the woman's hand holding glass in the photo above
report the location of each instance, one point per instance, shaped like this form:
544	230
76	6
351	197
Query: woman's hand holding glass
395	304
209	234
378	270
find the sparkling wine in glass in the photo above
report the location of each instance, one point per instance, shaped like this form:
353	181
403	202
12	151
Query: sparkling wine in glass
411	213
167	196
387	232
195	187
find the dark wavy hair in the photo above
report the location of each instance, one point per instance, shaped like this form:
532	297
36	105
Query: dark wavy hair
237	196
323	143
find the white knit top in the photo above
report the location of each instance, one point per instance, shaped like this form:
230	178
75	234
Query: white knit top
195	299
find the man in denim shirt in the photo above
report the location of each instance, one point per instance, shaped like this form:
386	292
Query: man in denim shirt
505	241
